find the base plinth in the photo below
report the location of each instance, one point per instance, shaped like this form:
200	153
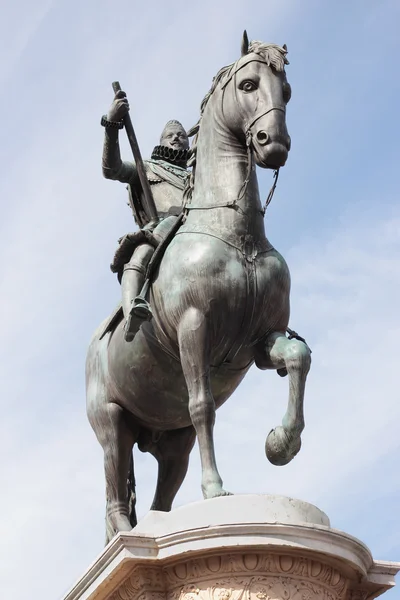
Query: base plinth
236	548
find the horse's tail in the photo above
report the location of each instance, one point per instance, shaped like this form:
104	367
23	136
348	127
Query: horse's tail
132	494
131	499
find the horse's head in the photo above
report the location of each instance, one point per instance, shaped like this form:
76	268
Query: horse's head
256	93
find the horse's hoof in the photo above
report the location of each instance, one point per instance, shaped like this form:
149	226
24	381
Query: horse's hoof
119	523
280	447
222	493
214	491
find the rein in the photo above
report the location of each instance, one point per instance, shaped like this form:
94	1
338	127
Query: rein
271	192
243	189
249	140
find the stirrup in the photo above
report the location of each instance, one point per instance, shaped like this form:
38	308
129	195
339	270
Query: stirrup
141	309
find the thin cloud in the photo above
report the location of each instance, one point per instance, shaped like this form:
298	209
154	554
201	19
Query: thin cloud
59	227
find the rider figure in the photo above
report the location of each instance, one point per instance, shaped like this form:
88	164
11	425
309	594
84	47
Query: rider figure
167	174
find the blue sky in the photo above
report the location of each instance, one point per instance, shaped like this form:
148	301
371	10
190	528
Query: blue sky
335	217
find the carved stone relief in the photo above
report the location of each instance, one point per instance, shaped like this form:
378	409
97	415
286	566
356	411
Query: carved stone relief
258	576
357	595
254	577
143	583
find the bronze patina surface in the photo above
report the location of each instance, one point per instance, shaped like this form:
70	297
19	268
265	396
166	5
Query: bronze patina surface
219	299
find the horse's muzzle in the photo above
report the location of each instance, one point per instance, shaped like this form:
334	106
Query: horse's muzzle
270	154
270	139
263	138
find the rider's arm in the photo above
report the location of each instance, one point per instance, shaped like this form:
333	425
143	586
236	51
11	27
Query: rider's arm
113	166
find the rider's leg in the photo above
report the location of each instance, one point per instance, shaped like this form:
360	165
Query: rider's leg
131	283
135	306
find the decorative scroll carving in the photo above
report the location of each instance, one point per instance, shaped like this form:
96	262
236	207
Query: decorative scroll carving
357	595
144	583
253	576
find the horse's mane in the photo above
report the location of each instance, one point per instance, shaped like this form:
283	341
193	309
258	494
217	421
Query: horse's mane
272	54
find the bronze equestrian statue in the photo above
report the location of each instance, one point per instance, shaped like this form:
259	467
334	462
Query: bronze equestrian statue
219	301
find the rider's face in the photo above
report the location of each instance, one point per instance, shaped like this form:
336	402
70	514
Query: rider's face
175	137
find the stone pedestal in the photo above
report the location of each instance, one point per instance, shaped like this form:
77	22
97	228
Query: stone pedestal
236	548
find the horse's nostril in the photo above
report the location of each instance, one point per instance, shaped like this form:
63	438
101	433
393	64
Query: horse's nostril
262	137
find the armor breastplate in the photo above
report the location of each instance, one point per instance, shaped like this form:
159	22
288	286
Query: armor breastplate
164	193
166	196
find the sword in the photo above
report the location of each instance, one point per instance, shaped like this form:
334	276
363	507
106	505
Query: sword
130	132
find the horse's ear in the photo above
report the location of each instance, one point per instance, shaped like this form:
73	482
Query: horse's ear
245	43
193	130
284	47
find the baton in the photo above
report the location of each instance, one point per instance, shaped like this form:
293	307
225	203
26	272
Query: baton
130	132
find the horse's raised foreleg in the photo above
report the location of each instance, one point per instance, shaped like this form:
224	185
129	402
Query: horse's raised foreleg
194	349
172	453
278	352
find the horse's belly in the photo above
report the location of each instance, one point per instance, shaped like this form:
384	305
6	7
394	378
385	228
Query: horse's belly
150	384
147	381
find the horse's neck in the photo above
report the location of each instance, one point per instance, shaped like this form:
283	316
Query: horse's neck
221	170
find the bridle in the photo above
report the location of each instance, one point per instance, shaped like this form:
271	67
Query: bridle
249	140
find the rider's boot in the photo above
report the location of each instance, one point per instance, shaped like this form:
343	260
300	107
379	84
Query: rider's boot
135	306
140	307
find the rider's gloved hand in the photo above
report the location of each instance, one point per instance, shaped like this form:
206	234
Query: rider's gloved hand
119	108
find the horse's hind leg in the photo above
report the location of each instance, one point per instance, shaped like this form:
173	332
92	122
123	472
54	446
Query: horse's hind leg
278	352
116	436
194	353
172	453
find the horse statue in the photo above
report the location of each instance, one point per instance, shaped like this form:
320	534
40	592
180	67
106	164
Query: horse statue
220	301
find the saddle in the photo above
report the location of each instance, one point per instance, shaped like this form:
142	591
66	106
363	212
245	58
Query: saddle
127	246
160	239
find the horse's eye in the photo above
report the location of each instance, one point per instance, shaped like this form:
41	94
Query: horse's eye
287	91
248	86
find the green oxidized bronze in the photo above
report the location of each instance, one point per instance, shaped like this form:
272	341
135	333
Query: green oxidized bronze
219	299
